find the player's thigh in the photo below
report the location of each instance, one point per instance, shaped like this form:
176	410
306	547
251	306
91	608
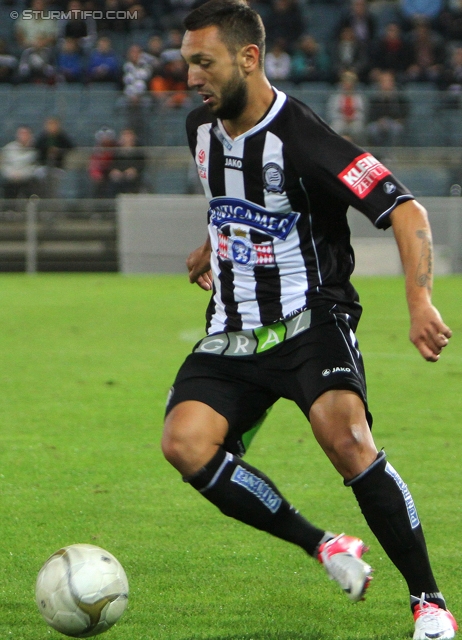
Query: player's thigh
333	362
228	387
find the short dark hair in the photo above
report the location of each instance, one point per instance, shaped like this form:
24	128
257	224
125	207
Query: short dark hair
239	25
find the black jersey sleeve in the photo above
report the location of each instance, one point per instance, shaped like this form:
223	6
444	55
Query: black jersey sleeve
327	162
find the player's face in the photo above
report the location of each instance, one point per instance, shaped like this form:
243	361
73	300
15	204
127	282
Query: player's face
214	73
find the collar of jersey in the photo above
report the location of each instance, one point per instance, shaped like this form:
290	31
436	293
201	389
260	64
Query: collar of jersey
272	113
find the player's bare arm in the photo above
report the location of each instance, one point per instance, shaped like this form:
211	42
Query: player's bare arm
412	231
198	263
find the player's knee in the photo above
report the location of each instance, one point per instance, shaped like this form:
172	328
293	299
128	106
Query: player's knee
185	450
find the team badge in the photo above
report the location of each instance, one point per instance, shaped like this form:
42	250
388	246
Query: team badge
243	252
273	177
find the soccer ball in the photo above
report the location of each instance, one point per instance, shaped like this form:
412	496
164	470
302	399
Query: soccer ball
81	590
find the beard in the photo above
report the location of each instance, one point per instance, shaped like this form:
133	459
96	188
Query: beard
234	96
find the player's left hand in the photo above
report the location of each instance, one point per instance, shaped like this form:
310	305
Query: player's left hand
429	333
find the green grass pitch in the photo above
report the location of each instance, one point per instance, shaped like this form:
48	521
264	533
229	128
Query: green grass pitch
86	362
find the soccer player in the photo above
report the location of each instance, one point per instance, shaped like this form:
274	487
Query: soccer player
283	313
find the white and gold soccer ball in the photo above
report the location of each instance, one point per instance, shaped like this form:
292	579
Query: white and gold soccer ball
81	590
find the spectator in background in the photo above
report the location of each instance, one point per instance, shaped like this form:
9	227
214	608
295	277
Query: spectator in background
160	10
310	62
52	145
36	63
70	62
101	163
277	62
285	22
361	20
113	20
139	21
450	80
8	63
153	54
388	110
170	83
126	173
449	21
346	109
78	26
420	9
38	28
392	52
176	11
428	53
350	55
172	44
103	63
137	73
19	165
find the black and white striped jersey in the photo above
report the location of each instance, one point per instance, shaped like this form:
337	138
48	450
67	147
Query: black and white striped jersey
279	195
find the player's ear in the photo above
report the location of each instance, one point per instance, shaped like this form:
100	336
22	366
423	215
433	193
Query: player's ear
250	57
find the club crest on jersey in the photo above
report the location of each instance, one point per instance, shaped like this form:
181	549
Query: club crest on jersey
243	252
363	174
273	177
224	211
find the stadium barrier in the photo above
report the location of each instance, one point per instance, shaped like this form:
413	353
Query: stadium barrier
156	233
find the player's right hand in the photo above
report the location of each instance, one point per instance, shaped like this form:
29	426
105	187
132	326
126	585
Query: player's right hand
198	263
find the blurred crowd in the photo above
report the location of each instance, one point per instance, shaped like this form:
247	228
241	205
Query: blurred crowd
419	41
366	60
36	165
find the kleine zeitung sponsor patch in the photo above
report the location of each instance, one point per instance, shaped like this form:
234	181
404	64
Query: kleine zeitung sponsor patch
363	174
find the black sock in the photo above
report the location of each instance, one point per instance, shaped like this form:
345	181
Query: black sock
244	493
388	507
435	598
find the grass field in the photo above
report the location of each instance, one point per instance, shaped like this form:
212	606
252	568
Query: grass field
86	362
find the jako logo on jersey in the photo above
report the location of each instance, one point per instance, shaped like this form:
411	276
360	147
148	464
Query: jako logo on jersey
389	188
201	156
327	372
225	210
273	177
363	174
233	163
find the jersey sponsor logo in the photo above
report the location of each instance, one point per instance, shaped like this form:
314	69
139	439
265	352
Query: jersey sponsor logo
233	163
328	372
410	506
258	487
201	168
273	177
389	188
224	211
363	174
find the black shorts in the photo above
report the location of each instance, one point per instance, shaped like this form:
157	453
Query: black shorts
243	389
